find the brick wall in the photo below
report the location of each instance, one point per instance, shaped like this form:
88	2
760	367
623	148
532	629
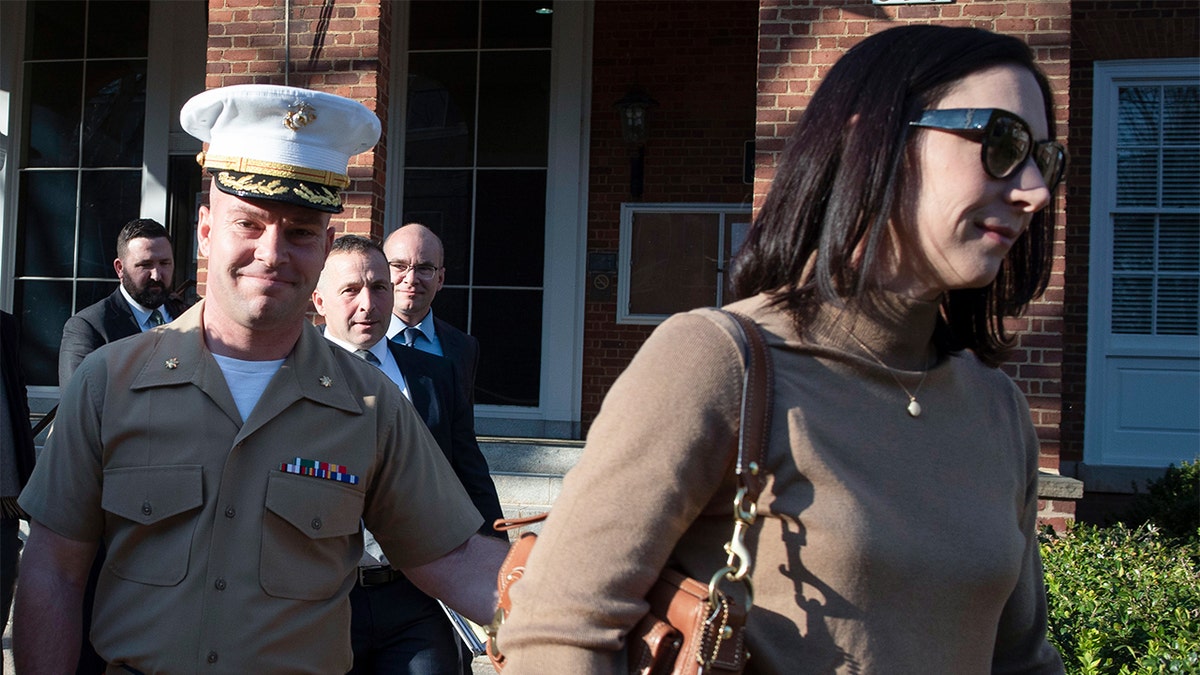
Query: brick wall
1103	31
800	40
696	59
337	47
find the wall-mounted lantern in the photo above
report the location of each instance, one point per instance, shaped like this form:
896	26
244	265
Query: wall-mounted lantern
633	111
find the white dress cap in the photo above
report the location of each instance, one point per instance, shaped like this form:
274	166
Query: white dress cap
282	143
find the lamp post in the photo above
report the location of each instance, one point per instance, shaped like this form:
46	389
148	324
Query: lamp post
632	111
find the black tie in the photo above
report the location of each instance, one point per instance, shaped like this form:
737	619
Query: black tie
367	356
156	318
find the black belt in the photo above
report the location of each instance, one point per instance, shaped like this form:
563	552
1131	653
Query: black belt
377	576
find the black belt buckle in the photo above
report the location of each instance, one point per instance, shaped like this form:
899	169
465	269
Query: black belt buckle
375	576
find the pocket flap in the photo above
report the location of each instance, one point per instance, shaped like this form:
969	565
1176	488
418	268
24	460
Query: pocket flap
148	494
318	508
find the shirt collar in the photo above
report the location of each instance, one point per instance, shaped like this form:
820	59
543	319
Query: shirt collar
379	349
179	355
426	326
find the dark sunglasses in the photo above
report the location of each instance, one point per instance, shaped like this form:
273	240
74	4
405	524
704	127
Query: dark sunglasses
1007	141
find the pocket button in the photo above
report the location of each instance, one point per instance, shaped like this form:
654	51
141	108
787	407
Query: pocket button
316	523
146	508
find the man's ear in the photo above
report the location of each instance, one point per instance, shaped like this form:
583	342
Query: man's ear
119	267
203	229
318	302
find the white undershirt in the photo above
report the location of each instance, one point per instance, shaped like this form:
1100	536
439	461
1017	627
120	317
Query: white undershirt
247	380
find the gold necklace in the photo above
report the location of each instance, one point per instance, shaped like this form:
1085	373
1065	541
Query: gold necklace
914	408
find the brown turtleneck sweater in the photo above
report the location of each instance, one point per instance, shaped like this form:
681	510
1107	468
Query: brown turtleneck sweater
885	543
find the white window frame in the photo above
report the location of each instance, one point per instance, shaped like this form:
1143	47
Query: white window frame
625	251
1148	352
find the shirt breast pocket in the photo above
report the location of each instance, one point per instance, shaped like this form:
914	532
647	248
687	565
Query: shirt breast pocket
159	503
311	541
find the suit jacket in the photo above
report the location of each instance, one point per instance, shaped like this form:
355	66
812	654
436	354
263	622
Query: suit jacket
463	350
21	443
106	321
438	396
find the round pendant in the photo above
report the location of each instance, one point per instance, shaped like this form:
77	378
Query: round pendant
914	408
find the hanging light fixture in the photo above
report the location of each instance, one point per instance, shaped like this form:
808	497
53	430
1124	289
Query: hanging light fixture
632	111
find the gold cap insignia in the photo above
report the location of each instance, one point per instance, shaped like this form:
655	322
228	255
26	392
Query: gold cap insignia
299	115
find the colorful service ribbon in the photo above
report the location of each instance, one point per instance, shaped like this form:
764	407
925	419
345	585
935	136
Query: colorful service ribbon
318	469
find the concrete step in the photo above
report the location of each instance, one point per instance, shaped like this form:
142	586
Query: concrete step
528	472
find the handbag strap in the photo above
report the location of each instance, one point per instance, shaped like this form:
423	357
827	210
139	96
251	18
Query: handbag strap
753	433
755	427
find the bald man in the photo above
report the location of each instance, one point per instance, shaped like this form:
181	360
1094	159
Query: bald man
416	258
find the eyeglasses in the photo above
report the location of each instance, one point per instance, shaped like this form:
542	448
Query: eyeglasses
422	271
1006	142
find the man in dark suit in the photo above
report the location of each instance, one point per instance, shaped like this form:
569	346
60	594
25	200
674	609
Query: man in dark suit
416	257
144	265
395	628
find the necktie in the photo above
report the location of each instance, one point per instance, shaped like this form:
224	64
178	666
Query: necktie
368	357
156	318
411	334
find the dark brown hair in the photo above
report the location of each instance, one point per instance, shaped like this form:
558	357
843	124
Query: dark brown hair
842	176
140	228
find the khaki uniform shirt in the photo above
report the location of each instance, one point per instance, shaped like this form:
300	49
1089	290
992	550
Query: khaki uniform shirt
218	558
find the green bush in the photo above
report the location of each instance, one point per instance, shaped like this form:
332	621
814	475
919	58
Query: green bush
1172	503
1123	600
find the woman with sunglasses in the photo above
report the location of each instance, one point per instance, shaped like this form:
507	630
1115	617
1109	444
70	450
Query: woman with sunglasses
909	216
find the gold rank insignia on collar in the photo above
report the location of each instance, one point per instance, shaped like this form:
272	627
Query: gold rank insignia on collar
172	363
326	381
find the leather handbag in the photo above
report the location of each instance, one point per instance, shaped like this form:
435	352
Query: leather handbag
692	626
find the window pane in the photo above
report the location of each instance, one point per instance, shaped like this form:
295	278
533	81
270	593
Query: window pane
673	264
441	200
1182	113
441	110
1137	178
88	293
114	113
55	29
509	365
1179	243
514	108
1178	306
450	305
1132	305
48	224
1133	243
118	28
510	227
437	24
52	114
109	200
43	307
1137	116
515	24
1181	177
